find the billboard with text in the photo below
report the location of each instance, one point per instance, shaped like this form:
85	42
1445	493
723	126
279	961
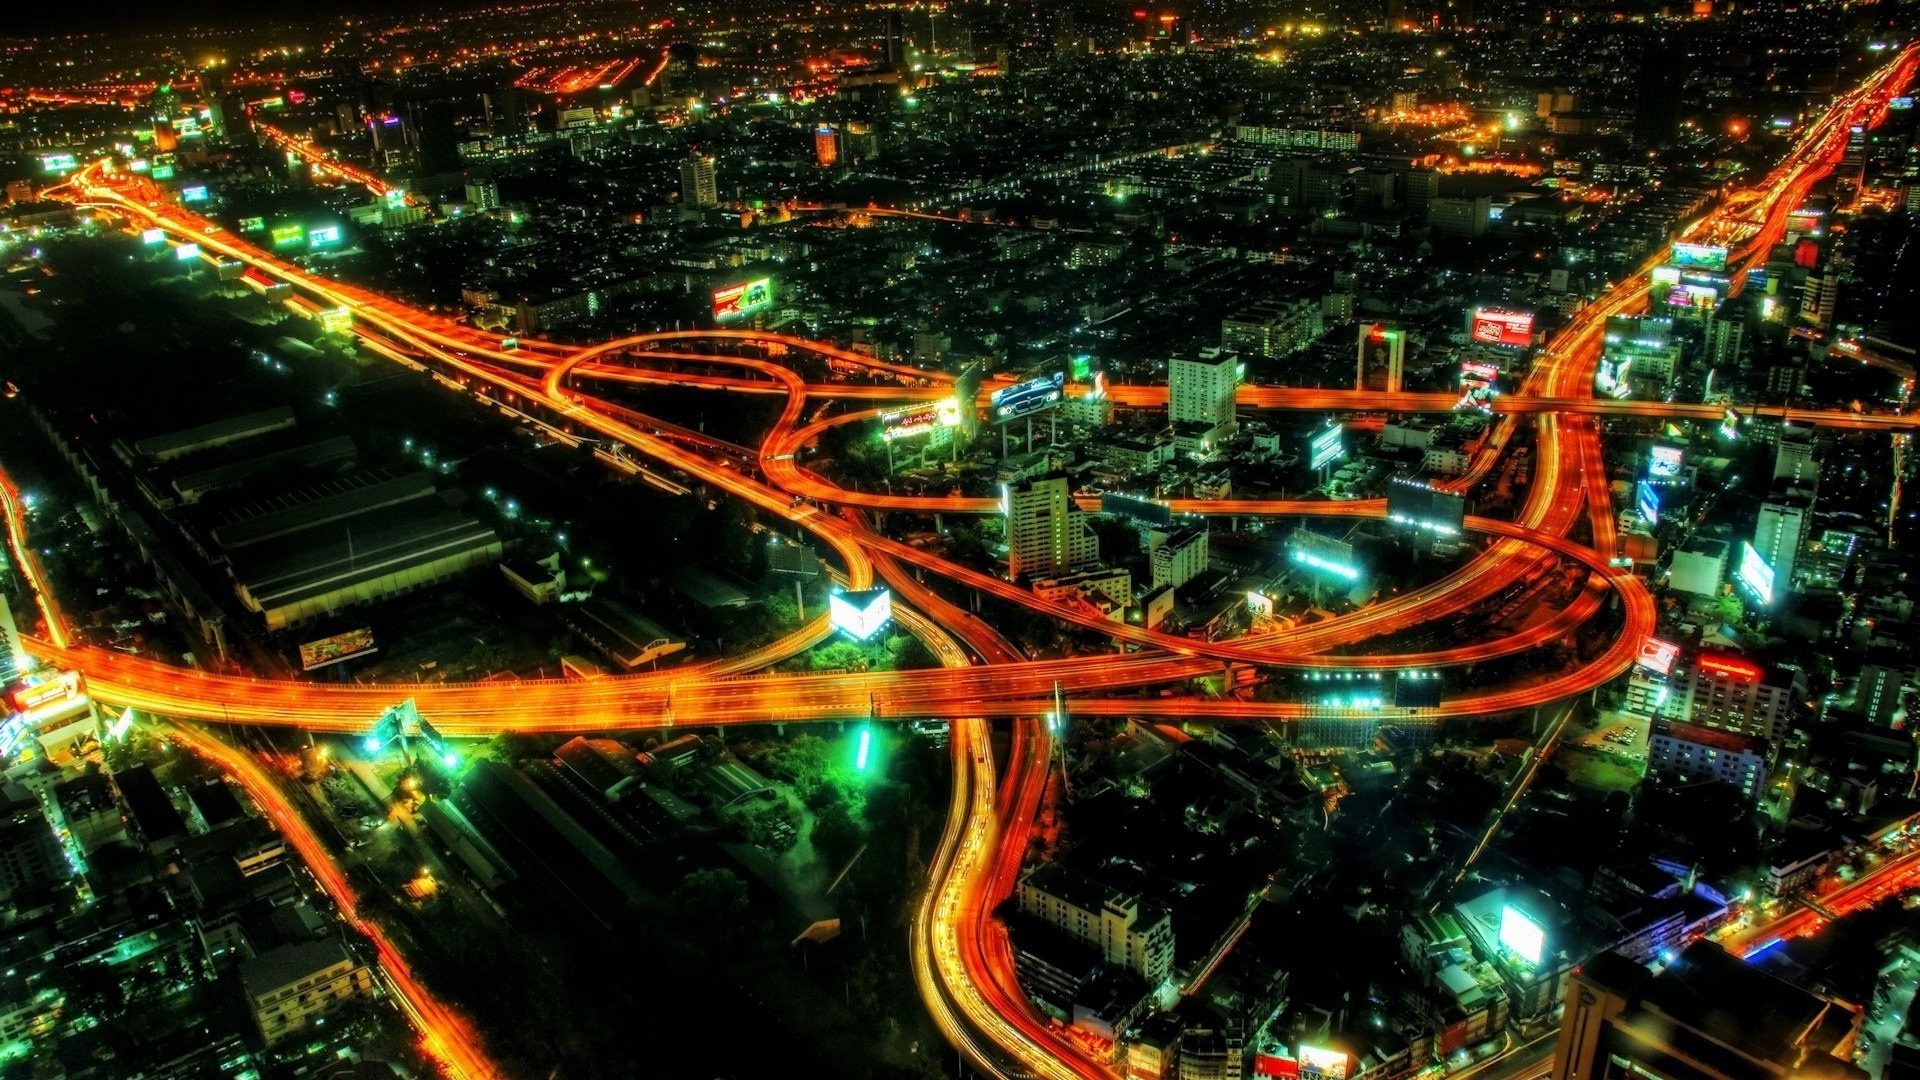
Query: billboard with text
1494	326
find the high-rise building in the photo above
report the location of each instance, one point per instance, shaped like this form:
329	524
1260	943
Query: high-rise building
1201	390
483	194
1700	567
1879	696
1383	358
1724	339
1708	1016
1177	556
1794	466
1464	216
1733	694
1047	535
1659	95
1780	535
698	185
1129	933
13	659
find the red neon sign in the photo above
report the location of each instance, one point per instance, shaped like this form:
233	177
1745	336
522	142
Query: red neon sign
1729	667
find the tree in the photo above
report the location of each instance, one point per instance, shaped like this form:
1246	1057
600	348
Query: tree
712	899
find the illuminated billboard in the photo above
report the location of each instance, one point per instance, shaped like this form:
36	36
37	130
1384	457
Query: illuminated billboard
253	224
1324	553
1082	368
1521	935
1696	299
1665	460
287	235
1755	573
1726	666
1479	384
58	163
1422	506
335	320
908	422
1321	1064
1704	256
151	237
323	236
1666	275
1327	447
1493	326
332	650
1646	502
196	193
948	413
860	614
1024	398
1611	376
1657	656
741	299
36	691
187	252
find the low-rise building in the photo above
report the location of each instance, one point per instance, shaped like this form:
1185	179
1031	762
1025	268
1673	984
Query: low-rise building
1129	932
288	988
1682	752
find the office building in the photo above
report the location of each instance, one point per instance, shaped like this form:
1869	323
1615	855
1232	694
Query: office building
1879	695
1724	338
1201	390
1461	217
1733	694
1636	348
1682	753
1660	93
1794	466
1047	534
1780	535
1699	568
698	185
1270	330
1383	358
1707	1016
1178	556
1129	933
290	987
483	194
30	857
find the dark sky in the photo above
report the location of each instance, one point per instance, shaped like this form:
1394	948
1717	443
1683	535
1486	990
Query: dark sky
147	16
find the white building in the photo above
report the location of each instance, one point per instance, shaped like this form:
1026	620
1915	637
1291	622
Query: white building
1683	752
1201	390
1128	933
698	185
1780	535
1047	535
1699	568
1178	556
1733	694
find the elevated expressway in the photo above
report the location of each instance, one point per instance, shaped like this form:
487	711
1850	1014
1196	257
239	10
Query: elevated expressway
959	954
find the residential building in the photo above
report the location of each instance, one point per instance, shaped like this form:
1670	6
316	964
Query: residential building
1047	534
1466	217
1707	1016
698	186
1107	592
1681	752
1794	466
1699	568
1270	329
1879	695
13	659
290	987
1129	932
1178	556
1201	390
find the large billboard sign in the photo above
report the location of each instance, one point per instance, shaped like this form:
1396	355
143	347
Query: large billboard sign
1699	299
1317	1063
1422	506
1730	423
335	320
34	692
1522	936
1755	573
1646	502
860	614
1494	326
911	421
1037	394
187	252
1323	553
1657	656
1704	256
1725	666
332	650
742	299
1327	447
1665	460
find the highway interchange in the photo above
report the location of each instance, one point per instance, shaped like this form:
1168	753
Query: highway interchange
961	958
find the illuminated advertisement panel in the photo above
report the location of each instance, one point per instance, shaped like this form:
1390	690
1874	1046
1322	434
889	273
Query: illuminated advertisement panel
1666	275
1647	502
1730	423
1665	460
196	193
748	296
1704	256
253	224
1035	395
321	237
1725	666
1327	447
1524	937
1657	656
58	163
338	320
187	252
31	693
1410	502
1320	1064
1493	326
1755	574
860	614
1698	299
332	650
153	236
905	423
287	235
947	412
